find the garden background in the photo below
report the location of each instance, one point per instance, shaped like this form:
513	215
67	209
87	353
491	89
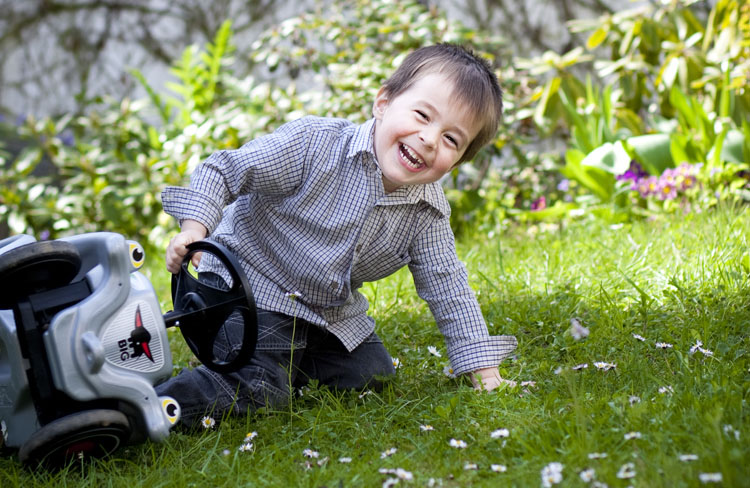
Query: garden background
606	227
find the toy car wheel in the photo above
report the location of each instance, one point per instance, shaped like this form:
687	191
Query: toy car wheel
91	433
36	267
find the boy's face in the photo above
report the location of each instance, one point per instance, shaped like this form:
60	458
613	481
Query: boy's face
422	133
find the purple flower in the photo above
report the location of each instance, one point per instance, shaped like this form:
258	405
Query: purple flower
634	173
539	204
564	185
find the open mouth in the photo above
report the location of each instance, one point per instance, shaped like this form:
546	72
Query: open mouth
410	158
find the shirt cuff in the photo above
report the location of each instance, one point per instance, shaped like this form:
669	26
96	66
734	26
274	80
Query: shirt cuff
470	355
186	203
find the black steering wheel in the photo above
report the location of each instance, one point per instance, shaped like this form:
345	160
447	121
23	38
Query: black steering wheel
200	310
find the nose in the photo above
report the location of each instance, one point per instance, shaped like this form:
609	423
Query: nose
429	136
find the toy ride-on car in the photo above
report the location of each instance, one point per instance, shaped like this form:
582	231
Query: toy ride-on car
83	341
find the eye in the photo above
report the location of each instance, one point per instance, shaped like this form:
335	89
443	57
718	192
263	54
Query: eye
452	140
421	114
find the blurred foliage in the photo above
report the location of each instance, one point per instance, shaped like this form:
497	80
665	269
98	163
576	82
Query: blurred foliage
663	88
655	85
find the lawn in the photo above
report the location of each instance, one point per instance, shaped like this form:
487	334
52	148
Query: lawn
632	369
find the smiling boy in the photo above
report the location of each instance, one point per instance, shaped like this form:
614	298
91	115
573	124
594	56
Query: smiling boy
319	207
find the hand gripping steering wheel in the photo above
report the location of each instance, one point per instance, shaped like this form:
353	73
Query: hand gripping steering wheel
200	310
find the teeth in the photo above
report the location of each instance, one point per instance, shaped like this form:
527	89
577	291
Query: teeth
412	159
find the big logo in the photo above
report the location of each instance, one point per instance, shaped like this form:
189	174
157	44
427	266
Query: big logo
137	344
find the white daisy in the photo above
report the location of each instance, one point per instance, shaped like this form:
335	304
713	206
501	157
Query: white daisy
498	468
448	371
388	452
434	351
457	443
663	345
309	453
598	455
688	457
500	433
639	337
587	475
208	422
604	366
426	428
632	435
626	471
552	474
710	477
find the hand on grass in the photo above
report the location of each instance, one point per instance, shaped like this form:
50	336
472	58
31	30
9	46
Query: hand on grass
177	249
488	379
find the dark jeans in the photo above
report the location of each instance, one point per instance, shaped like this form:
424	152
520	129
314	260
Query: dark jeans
275	368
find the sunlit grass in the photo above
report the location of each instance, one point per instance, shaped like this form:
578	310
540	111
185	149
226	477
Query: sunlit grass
677	281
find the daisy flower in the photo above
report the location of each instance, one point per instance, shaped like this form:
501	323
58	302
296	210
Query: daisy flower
632	435
396	363
710	477
309	453
433	350
208	422
639	337
399	473
626	471
388	452
552	474
470	467
448	371
246	447
577	330
293	295
698	347
604	366
688	457
597	455
498	468
426	428
500	433
663	345
579	367
345	460
364	394
634	399
587	475
666	390
458	444
250	436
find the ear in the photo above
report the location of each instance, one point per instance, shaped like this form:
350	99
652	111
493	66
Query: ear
380	104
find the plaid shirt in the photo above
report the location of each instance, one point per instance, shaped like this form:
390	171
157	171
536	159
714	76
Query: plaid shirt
305	212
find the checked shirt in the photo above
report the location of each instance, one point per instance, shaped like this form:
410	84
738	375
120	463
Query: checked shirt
305	212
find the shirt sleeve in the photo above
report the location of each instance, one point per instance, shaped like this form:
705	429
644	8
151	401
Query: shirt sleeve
271	164
442	281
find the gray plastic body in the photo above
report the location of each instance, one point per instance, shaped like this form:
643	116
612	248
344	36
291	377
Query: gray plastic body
90	346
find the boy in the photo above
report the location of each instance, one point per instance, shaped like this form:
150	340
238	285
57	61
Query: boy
320	206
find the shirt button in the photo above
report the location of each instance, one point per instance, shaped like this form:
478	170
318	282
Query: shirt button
358	248
334	285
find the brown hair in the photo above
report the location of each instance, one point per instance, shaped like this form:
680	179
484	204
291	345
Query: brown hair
474	83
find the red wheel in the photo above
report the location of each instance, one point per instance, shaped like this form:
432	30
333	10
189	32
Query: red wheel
91	433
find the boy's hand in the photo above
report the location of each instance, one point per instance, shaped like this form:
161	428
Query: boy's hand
488	379
177	249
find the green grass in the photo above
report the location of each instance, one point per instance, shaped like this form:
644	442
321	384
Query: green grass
677	281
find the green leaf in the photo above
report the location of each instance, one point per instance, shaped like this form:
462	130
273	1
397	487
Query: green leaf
597	37
653	152
612	158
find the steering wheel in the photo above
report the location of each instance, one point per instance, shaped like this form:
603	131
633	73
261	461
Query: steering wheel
200	310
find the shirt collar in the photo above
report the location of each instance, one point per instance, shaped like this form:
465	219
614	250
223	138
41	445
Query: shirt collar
432	194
